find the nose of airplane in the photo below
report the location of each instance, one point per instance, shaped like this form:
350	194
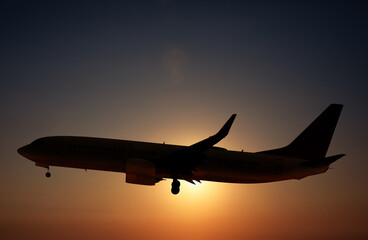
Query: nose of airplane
22	151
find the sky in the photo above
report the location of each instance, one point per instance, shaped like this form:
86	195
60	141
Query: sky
174	71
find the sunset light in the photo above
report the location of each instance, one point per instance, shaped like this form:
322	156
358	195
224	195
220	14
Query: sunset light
174	73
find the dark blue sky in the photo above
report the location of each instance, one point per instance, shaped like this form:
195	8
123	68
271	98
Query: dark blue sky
173	71
268	47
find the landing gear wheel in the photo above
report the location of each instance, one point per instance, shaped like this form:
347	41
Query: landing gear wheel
175	187
175	190
48	174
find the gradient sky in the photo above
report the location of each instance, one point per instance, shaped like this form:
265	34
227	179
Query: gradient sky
175	71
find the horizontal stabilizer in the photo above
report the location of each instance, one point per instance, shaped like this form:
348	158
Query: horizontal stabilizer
324	162
332	159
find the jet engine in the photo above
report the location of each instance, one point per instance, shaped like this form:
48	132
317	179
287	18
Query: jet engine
140	171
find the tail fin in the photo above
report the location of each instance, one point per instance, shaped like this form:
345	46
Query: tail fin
313	142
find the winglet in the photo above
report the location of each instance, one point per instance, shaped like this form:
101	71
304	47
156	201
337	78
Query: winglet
226	128
209	142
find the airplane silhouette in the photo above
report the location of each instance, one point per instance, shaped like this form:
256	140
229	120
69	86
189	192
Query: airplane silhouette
148	163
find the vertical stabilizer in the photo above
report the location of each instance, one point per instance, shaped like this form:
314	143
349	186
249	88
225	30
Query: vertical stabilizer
314	141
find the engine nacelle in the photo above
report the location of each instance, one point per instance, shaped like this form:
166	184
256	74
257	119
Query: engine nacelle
140	171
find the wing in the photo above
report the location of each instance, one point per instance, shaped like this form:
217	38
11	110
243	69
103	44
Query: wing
182	163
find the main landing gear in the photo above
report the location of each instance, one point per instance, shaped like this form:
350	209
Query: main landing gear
48	174
175	186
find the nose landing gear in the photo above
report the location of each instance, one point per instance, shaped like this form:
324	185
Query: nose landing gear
175	186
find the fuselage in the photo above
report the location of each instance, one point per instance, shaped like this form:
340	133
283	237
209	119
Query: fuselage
217	164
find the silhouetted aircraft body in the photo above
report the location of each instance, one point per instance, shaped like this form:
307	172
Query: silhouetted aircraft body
148	163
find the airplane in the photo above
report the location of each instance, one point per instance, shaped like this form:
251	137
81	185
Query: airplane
147	163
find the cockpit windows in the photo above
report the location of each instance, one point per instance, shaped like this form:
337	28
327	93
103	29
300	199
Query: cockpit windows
39	141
